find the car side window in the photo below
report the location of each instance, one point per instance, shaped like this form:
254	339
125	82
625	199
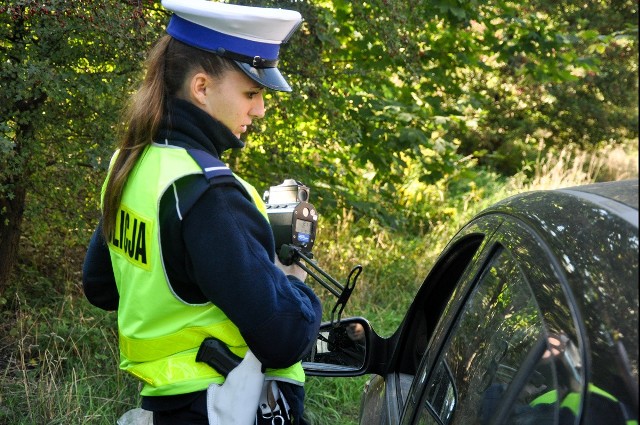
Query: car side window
498	346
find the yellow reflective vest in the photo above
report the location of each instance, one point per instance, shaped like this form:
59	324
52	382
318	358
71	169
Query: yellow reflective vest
573	401
159	334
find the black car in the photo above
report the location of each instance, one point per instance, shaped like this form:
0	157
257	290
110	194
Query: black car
529	316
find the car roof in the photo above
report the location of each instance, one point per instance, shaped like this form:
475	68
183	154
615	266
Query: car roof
608	194
625	192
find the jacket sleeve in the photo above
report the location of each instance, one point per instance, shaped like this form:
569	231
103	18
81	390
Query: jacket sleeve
230	250
98	281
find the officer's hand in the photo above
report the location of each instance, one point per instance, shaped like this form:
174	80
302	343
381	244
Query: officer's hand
292	270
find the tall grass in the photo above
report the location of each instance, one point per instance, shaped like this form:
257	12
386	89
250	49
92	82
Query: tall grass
60	365
58	355
572	166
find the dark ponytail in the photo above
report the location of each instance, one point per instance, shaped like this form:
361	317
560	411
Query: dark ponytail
169	64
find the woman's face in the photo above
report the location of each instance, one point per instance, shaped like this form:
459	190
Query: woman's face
235	100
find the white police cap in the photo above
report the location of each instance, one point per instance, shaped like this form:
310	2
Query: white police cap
251	36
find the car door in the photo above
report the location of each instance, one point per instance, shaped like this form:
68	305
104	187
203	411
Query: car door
386	393
506	349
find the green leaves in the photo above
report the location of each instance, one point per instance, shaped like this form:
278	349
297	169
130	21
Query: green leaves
389	93
66	69
395	103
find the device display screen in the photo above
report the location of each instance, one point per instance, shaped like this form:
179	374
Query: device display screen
303	226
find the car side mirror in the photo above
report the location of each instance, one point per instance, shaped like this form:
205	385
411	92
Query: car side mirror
342	349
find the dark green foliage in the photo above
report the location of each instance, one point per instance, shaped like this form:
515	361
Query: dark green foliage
66	69
406	116
390	97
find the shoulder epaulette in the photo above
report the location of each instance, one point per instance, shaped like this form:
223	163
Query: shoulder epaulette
212	167
215	171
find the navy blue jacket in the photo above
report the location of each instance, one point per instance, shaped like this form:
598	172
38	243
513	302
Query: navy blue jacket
222	250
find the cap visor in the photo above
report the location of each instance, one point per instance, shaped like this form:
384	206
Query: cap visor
270	78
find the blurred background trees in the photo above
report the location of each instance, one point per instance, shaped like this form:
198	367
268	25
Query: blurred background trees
400	109
406	118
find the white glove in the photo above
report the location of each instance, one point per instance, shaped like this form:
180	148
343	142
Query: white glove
235	402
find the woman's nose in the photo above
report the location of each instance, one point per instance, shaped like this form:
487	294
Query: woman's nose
258	109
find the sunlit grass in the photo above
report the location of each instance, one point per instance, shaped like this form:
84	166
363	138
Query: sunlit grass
571	166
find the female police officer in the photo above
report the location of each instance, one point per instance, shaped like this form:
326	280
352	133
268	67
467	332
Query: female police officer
189	251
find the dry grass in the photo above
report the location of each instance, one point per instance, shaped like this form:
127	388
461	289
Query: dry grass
572	166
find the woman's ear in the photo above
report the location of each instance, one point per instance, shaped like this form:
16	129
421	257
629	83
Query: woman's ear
198	86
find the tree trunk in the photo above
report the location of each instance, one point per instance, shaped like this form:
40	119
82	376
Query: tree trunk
11	214
12	200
